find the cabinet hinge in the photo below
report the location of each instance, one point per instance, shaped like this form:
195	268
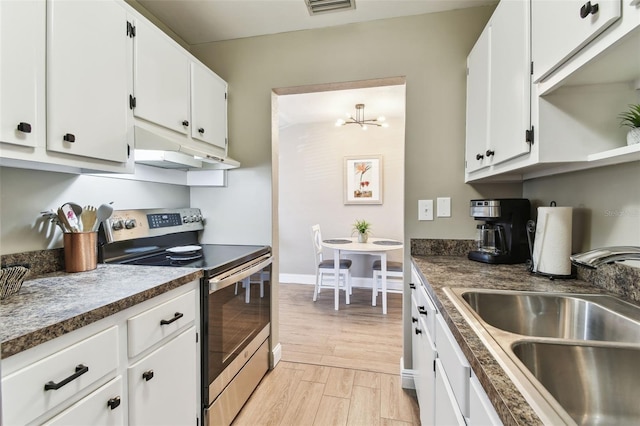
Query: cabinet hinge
434	365
131	30
132	102
528	135
531	67
196	337
467	71
226	142
225	96
128	150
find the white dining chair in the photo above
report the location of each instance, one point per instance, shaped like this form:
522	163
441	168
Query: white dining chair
325	268
394	272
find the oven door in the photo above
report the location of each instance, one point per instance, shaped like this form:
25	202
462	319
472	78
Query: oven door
236	321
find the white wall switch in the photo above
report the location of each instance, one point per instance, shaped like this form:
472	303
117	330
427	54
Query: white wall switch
444	206
425	209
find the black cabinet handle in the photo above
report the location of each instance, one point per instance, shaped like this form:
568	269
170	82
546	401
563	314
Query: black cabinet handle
80	370
69	137
588	9
412	286
489	153
201	130
418	331
24	127
114	402
423	311
479	156
185	123
147	375
176	317
414	319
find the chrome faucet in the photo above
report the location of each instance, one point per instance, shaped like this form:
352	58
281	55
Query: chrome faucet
594	258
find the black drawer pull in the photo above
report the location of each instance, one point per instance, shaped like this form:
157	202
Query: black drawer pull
114	402
80	370
412	286
185	123
489	153
588	9
24	127
422	311
176	317
69	137
418	331
201	130
479	157
414	319
147	375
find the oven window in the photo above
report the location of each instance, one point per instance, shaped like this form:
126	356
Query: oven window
236	314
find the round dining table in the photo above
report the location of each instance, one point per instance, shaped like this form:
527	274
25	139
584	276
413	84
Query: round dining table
373	246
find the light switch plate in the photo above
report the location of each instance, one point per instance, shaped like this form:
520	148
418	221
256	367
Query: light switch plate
444	206
425	209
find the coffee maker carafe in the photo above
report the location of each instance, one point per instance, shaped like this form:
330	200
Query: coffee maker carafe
502	237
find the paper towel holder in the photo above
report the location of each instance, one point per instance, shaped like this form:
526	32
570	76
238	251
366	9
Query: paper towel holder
532	265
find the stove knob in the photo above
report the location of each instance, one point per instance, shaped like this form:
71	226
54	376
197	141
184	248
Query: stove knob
193	219
117	225
130	223
185	219
199	218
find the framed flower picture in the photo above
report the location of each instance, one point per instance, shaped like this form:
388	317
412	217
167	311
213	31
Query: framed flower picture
363	180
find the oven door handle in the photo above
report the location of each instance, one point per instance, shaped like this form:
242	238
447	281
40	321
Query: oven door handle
238	274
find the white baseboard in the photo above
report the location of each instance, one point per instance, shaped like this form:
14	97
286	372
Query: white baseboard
276	355
393	286
407	376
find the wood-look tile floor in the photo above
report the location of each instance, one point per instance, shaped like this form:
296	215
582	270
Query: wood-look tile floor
337	368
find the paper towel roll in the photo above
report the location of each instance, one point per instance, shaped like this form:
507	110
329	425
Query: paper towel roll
552	245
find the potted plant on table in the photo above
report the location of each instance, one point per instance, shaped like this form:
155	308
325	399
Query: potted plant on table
631	118
362	227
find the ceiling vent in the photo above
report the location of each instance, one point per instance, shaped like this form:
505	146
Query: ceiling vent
317	7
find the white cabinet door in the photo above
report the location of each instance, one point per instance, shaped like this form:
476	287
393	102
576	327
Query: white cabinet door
101	408
447	411
88	75
161	79
562	28
481	411
22	78
208	106
163	386
478	103
426	376
510	82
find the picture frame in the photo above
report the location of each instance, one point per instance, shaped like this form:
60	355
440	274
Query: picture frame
363	179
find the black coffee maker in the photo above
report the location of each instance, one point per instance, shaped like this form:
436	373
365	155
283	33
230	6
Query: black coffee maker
502	238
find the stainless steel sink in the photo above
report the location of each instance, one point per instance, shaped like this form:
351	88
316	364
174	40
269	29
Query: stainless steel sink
572	356
559	316
596	385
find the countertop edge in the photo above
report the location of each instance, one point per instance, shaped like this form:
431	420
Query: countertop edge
32	339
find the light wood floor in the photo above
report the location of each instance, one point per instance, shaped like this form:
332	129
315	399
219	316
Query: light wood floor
338	367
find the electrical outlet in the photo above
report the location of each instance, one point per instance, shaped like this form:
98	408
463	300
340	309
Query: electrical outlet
425	209
444	206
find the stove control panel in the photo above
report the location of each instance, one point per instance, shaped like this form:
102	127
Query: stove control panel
133	224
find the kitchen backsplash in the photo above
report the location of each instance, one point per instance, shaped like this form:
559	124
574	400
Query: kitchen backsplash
39	262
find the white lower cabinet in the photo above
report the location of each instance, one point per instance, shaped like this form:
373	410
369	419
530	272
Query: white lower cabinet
86	377
101	408
447	389
160	393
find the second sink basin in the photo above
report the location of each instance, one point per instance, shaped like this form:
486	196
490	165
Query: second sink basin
588	317
595	385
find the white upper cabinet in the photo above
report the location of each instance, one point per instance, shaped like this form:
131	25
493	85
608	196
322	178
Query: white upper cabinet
478	103
88	83
208	106
161	79
562	28
22	78
499	90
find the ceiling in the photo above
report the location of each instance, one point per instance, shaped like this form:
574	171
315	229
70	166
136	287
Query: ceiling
203	21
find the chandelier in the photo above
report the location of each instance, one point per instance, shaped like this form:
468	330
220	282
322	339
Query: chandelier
363	122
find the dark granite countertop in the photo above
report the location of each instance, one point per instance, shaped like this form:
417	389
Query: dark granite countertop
459	272
58	303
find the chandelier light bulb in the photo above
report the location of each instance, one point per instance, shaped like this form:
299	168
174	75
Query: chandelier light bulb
364	127
385	125
340	122
382	118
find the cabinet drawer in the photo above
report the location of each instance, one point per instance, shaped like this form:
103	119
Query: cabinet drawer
481	410
150	327
101	408
446	410
455	364
24	396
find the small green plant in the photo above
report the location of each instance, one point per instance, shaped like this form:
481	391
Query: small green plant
362	227
631	118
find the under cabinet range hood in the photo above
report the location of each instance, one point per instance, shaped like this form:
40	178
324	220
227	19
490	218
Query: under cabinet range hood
160	148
